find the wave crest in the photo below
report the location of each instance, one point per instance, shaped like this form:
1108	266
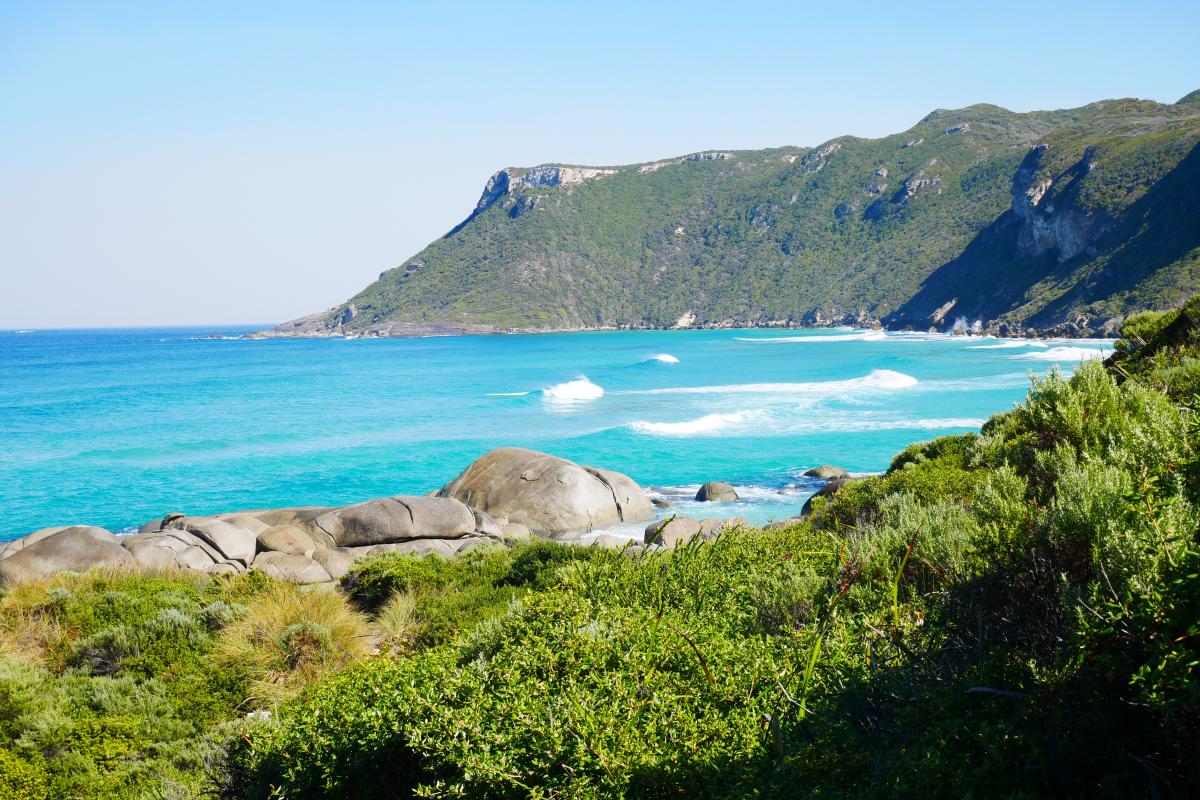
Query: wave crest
865	336
709	423
879	379
577	391
662	358
1064	354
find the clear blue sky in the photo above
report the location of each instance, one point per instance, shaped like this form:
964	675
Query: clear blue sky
211	162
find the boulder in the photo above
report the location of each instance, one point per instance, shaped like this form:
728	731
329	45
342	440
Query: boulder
423	547
337	560
828	490
717	492
397	519
548	495
10	548
291	567
709	528
515	532
486	526
233	542
658	502
76	549
286	539
672	532
610	541
826	472
784	523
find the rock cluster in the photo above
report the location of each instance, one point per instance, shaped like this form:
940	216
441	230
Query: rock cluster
507	494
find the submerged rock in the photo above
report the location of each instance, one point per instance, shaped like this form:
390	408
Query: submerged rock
828	490
717	492
826	472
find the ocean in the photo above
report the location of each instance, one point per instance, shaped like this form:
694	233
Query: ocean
117	427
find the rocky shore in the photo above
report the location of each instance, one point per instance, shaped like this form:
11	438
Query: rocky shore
508	494
333	324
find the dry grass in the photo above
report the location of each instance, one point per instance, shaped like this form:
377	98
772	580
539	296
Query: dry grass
289	638
397	622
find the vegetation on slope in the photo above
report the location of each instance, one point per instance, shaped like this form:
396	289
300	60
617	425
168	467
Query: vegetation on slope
1013	613
917	229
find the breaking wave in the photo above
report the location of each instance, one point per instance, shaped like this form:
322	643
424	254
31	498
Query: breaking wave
710	423
576	391
1007	345
879	379
865	336
662	358
1064	354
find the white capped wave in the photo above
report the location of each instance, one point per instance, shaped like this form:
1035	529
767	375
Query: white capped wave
709	423
1064	354
576	391
865	336
879	379
1008	345
507	394
662	358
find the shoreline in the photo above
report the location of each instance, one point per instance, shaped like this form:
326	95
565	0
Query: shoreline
443	330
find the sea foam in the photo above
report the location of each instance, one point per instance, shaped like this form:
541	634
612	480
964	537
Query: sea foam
879	379
1007	345
709	423
865	336
577	391
1064	354
662	358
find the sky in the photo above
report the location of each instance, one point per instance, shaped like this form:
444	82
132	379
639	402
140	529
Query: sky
182	163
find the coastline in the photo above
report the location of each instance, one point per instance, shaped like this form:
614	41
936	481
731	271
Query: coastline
403	330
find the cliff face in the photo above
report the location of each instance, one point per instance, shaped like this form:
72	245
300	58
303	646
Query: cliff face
1063	220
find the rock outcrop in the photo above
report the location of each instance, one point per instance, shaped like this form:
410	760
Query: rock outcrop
549	495
74	549
507	495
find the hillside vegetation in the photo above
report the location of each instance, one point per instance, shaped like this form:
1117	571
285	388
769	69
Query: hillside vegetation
1070	218
1014	613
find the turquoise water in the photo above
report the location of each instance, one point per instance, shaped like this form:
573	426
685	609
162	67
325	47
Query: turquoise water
116	427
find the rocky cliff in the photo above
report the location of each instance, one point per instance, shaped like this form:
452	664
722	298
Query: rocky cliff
1059	220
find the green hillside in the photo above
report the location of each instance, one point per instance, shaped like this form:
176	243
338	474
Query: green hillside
982	213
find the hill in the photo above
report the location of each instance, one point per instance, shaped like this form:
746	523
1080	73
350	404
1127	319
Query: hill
1070	218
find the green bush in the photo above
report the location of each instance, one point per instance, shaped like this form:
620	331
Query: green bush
20	779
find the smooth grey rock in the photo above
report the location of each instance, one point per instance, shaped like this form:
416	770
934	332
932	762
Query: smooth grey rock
19	544
77	549
234	543
828	490
717	492
337	561
672	532
290	567
288	539
709	528
826	472
609	541
658	502
153	526
515	532
485	525
548	495
397	519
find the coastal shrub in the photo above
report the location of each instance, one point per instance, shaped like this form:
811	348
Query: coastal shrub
288	638
451	596
21	779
